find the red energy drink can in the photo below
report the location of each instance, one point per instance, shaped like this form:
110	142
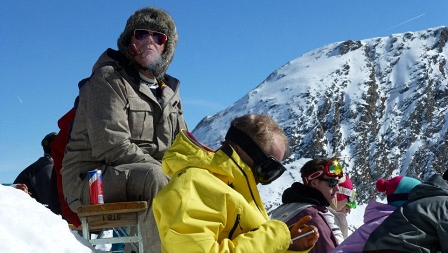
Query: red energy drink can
96	187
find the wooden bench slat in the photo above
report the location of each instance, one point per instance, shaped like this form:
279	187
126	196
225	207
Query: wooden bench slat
112	220
112	208
73	227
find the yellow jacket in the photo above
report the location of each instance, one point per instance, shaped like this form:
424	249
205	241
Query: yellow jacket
212	204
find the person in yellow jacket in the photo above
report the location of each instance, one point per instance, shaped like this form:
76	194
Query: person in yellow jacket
212	203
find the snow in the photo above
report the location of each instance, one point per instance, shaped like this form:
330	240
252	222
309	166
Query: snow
28	226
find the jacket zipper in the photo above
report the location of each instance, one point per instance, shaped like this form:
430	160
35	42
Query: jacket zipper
248	185
235	225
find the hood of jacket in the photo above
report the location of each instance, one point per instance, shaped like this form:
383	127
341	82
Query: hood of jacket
223	163
434	186
299	192
114	58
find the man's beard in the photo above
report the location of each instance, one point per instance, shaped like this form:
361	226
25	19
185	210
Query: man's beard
155	67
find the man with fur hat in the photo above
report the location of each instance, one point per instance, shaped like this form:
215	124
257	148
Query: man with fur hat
128	114
37	177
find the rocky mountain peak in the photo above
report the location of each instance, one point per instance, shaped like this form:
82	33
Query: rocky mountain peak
380	104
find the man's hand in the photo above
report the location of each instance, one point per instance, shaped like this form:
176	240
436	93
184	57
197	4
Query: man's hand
22	187
300	228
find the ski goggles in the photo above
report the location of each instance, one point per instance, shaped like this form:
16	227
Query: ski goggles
332	169
347	192
351	204
143	34
266	169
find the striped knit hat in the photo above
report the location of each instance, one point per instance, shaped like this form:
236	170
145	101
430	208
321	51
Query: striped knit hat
397	189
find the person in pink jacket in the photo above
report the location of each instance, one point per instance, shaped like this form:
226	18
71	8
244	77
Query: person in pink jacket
397	190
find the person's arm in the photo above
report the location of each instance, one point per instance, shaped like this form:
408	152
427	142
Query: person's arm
300	241
24	179
42	180
22	187
332	221
324	243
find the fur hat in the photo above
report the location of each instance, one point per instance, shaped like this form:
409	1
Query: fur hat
46	142
153	19
397	189
345	189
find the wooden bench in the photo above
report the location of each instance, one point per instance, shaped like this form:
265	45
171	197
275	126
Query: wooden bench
116	216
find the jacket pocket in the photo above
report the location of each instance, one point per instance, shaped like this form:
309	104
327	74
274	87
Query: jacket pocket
141	120
176	119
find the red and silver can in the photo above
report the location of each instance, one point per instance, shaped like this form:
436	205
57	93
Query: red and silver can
96	187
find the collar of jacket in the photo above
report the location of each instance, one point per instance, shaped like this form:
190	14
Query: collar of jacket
224	164
129	71
299	192
433	186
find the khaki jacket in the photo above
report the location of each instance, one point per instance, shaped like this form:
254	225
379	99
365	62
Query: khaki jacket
118	121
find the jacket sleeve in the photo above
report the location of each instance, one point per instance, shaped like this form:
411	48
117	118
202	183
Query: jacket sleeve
265	233
325	243
332	221
355	242
105	104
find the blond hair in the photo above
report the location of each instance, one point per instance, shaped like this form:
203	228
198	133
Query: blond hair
262	130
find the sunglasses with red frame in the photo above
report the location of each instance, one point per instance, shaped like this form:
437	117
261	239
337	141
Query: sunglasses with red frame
143	34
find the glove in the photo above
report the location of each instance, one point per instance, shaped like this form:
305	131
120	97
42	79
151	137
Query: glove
300	228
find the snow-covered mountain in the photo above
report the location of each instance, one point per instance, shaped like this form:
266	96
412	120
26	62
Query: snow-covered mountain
380	104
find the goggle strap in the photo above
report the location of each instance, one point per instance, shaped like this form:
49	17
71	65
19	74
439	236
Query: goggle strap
305	180
247	144
346	191
312	176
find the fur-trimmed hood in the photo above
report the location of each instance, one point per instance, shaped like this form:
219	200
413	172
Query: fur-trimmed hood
153	19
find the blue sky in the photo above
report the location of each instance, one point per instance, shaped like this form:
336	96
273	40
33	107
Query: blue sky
225	49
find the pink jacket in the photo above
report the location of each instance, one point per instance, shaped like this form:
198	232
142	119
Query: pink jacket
374	215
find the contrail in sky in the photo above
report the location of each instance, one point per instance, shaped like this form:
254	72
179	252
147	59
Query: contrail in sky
421	15
19	99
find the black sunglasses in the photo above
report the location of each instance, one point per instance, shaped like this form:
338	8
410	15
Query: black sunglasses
333	182
266	169
157	37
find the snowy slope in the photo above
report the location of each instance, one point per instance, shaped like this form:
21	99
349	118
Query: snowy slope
28	226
